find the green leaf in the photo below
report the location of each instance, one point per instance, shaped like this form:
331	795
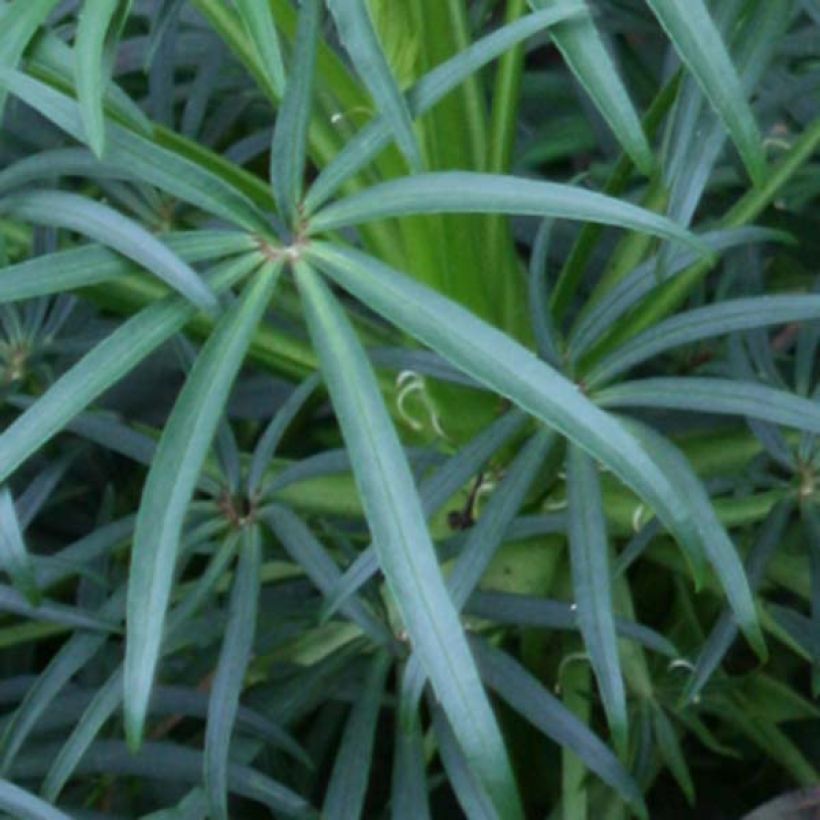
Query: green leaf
93	265
497	361
362	45
471	794
724	631
270	439
24	805
672	753
719	319
179	176
700	46
408	797
434	492
107	226
406	553
289	148
52	612
347	789
171	480
715	395
14	557
70	658
303	546
585	54
105	364
598	317
592	587
234	656
58	162
527	696
261	28
177	764
93	23
540	313
18	24
714	542
545	613
469	192
105	701
487	535
434	86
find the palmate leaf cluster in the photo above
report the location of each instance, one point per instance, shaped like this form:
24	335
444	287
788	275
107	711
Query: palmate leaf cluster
409	409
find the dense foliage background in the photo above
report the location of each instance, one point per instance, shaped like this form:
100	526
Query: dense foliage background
409	408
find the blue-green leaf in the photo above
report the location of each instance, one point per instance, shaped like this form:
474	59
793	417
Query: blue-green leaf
497	361
406	553
171	480
699	44
289	148
103	366
580	45
261	27
470	192
592	587
347	789
108	227
14	557
362	45
230	672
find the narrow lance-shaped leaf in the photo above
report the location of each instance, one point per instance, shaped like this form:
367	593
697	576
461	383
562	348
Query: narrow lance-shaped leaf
103	366
289	148
714	395
546	613
434	491
257	17
470	192
408	797
347	788
269	441
18	802
362	44
724	631
487	534
598	317
18	23
237	645
309	553
700	46
714	542
71	657
671	752
527	696
178	175
90	66
540	313
171	480
580	45
14	557
431	88
703	323
592	586
470	792
107	698
406	553
76	268
495	360
107	226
